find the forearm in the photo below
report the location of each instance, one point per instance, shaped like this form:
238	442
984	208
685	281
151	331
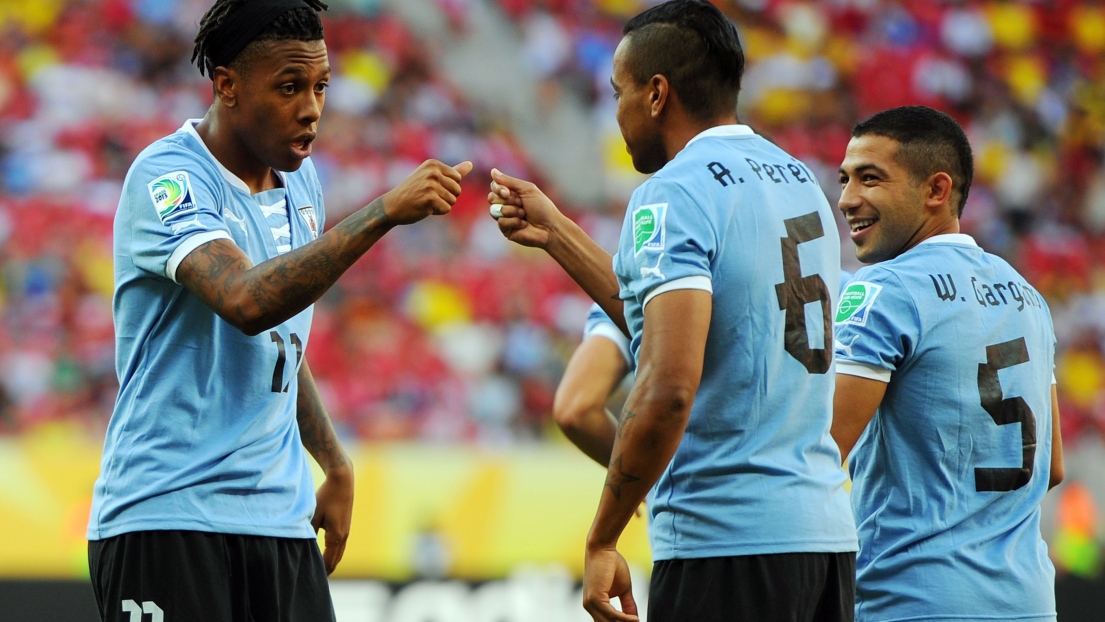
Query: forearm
648	435
593	433
589	265
315	428
257	298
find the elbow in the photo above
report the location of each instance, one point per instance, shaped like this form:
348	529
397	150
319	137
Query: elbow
570	414
251	328
671	402
1058	473
247	317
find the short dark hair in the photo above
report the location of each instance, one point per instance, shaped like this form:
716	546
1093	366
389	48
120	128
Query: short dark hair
693	45
929	141
297	24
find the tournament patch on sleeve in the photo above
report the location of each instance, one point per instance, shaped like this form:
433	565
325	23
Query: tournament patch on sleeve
856	301
172	195
649	227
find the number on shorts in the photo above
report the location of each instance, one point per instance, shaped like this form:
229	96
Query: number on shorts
148	606
796	291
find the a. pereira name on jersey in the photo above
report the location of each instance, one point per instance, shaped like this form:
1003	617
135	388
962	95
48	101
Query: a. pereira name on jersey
988	294
777	173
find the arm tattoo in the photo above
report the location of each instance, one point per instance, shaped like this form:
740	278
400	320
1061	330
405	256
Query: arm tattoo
627	415
283	286
315	428
614	480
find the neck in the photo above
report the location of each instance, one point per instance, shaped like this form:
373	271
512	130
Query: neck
684	128
931	229
233	154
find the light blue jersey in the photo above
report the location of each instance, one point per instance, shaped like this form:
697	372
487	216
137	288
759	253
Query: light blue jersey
599	324
949	475
756	471
204	434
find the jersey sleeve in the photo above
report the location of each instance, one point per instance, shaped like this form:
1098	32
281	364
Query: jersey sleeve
667	243
876	327
600	325
172	207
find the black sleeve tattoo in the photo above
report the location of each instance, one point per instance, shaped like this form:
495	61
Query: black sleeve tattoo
282	286
615	477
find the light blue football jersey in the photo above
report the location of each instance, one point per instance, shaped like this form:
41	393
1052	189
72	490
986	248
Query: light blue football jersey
599	324
203	436
756	471
949	475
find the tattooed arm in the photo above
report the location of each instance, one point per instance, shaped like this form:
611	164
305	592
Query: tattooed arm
651	427
334	498
256	298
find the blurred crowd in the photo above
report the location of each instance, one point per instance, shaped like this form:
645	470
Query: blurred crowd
445	332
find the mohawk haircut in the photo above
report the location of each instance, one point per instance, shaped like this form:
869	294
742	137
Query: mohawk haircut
929	142
693	45
297	24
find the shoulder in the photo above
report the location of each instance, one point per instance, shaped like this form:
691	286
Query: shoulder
875	290
170	155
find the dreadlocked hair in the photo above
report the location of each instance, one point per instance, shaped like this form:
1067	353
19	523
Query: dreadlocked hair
299	24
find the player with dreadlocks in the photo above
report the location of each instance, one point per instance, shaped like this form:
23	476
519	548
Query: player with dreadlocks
205	507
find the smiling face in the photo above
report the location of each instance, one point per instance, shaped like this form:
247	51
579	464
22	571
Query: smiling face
279	102
882	203
639	128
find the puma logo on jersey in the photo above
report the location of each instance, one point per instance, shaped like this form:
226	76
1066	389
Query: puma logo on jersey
241	222
177	227
846	348
647	272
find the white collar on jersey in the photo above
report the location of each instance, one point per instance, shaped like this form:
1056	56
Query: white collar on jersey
950	238
723	131
232	179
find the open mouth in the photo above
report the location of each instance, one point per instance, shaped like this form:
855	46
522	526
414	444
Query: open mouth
860	225
302	146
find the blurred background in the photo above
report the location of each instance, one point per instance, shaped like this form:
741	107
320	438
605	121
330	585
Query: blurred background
438	353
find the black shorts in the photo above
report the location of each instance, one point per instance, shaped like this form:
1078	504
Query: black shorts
192	575
788	587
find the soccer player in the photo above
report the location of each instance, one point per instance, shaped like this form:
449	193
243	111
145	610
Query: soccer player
205	508
597	367
727	265
944	376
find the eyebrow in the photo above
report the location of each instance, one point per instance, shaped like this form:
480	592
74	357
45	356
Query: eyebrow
863	168
296	70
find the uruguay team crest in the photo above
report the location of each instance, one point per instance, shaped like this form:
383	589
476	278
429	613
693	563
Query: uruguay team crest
308	214
855	302
649	227
172	195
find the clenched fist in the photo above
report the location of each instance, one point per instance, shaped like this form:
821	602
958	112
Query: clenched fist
432	189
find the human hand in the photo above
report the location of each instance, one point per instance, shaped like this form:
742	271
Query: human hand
605	576
334	513
432	188
527	215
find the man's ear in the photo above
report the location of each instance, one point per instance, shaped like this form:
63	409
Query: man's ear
225	83
659	94
938	192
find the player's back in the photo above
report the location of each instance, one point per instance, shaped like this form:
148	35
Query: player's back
949	475
756	471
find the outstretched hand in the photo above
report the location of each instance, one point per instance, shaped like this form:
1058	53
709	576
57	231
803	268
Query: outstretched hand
334	513
527	214
432	189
